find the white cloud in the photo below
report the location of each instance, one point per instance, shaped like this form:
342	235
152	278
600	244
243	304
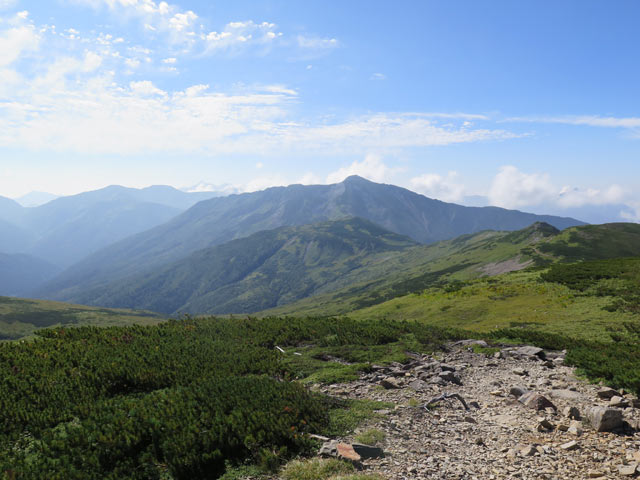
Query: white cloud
512	188
240	34
15	41
310	178
261	183
441	188
577	197
633	214
317	43
387	131
587	120
146	88
370	167
378	76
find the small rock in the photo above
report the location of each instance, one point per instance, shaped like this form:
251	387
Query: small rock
571	412
520	371
628	470
347	452
390	383
565	394
418	385
517	391
572	445
496	393
528	451
449	376
530	351
470	419
536	401
607	393
329	449
575	428
544	425
595	474
367	451
618	402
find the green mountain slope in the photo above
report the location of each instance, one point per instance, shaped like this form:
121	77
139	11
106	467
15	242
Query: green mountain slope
20	317
261	271
219	220
472	256
591	300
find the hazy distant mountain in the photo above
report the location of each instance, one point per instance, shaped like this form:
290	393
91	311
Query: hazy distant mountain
67	229
264	270
218	220
19	273
13	239
35	199
10	210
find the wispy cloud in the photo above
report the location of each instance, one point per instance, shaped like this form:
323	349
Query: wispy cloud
587	120
77	95
317	43
186	32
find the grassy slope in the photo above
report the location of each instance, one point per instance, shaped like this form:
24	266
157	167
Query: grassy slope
466	258
507	301
21	317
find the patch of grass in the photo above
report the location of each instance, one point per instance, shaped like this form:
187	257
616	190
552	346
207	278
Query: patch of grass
372	436
315	469
241	472
488	351
352	413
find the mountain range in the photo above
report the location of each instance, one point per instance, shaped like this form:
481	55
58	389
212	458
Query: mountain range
103	278
67	229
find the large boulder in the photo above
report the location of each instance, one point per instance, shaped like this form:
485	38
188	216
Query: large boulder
604	419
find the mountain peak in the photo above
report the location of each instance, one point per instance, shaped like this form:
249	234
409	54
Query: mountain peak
356	179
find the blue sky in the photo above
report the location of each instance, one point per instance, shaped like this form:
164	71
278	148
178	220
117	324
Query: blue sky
533	104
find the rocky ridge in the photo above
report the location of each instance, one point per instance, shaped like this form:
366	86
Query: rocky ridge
517	414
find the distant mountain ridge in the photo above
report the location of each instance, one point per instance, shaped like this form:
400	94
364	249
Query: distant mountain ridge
35	199
67	229
219	220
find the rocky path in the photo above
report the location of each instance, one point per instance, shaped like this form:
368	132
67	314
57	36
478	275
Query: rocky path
529	417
